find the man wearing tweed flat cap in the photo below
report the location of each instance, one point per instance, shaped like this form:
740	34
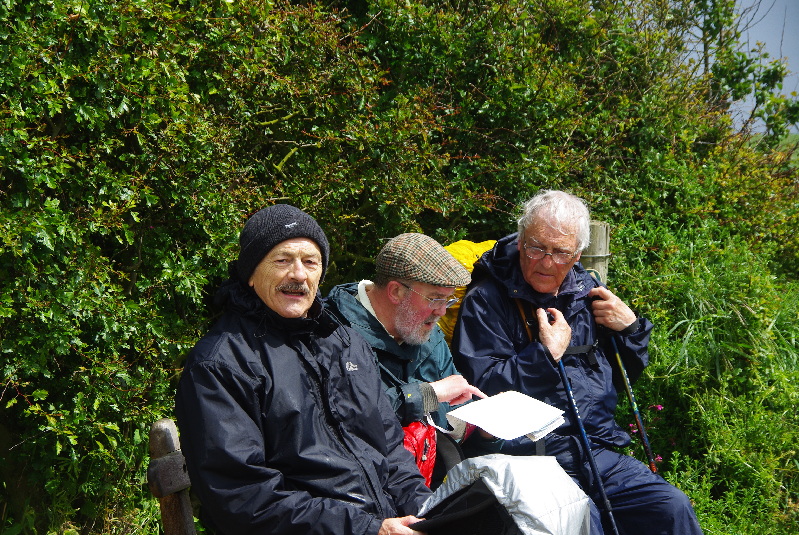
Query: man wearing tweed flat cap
284	422
397	313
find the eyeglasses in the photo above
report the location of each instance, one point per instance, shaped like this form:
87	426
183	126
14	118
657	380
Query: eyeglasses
537	253
435	303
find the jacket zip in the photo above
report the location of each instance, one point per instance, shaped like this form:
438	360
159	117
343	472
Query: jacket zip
322	393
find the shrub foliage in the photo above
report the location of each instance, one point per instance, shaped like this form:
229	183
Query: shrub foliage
136	136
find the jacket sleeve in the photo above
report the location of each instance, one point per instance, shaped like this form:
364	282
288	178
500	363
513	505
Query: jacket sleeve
406	400
224	447
405	483
491	347
412	400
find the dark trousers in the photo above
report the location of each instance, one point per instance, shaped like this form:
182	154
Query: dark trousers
643	503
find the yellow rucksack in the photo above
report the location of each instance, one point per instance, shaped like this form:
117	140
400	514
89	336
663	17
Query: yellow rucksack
466	252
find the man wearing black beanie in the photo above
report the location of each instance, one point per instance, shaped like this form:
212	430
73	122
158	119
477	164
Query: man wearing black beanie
283	255
272	225
284	423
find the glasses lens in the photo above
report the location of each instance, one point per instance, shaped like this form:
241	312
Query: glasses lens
536	253
435	303
438	303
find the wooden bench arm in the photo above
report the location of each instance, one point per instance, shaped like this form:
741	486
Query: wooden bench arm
168	479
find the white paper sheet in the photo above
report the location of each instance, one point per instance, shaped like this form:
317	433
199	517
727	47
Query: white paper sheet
510	415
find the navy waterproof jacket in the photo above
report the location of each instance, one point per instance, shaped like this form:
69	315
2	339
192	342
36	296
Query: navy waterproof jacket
492	349
286	428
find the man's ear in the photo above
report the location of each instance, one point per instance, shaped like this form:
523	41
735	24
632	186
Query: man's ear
395	292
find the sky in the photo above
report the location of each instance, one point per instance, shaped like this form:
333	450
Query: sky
776	24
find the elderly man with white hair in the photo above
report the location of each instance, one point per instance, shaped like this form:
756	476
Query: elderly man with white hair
532	312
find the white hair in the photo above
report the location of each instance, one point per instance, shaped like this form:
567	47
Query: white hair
562	211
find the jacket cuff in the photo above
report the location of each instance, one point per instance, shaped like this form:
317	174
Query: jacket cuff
429	398
549	356
630	329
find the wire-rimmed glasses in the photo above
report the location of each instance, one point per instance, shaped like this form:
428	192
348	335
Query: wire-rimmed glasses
445	302
536	253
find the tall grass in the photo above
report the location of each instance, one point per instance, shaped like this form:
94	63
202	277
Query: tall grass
721	386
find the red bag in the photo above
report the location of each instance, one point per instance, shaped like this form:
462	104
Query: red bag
420	440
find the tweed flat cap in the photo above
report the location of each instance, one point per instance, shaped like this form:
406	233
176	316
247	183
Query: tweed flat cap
416	257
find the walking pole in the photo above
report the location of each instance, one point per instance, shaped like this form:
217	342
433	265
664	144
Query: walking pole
587	445
638	420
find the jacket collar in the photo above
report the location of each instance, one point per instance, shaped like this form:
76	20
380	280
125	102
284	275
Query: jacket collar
241	299
343	299
502	263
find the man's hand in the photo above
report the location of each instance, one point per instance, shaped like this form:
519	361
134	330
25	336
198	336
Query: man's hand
399	526
610	311
556	335
455	390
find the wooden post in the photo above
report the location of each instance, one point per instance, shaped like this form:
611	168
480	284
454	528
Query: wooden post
596	256
168	479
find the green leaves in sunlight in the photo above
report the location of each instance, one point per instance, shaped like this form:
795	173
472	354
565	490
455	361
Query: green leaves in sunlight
136	136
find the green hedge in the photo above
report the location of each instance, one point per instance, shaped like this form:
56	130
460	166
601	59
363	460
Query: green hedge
136	136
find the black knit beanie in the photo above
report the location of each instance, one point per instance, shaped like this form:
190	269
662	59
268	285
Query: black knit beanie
271	226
